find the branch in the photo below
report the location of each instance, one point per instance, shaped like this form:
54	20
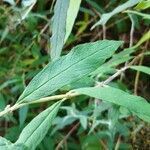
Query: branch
70	94
9	109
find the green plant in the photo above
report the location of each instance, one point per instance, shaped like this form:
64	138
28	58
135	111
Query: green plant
88	70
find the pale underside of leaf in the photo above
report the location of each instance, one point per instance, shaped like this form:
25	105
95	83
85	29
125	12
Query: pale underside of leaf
107	16
7	145
73	9
136	104
58	28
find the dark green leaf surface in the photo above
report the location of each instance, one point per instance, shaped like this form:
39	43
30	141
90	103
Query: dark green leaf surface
136	104
36	130
81	61
58	27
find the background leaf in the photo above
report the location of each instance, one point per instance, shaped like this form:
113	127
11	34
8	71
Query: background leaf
58	28
82	60
136	104
23	114
145	16
73	9
143	69
107	16
144	4
36	130
143	39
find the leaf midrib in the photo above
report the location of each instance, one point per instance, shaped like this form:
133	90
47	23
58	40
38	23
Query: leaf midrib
39	125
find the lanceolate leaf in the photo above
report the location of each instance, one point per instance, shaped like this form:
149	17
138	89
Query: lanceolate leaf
143	39
58	27
81	61
145	16
107	16
73	9
36	130
144	4
143	69
136	104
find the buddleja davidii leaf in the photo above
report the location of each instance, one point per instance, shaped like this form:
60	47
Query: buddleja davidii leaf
143	69
143	39
120	8
7	145
72	12
144	4
136	104
58	28
36	130
81	61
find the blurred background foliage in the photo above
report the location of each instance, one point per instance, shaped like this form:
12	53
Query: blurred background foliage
24	48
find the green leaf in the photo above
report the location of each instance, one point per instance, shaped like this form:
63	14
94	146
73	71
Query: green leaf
114	61
143	5
7	145
36	130
58	28
136	104
26	8
105	17
143	69
23	115
73	9
145	16
96	6
81	61
143	39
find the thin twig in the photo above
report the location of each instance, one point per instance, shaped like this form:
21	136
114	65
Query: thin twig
104	32
70	94
132	30
137	77
9	109
67	136
138	72
113	76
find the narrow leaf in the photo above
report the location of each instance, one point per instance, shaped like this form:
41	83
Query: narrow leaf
58	28
144	4
107	16
143	39
36	130
145	16
143	69
73	9
23	115
11	2
27	7
81	61
136	104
